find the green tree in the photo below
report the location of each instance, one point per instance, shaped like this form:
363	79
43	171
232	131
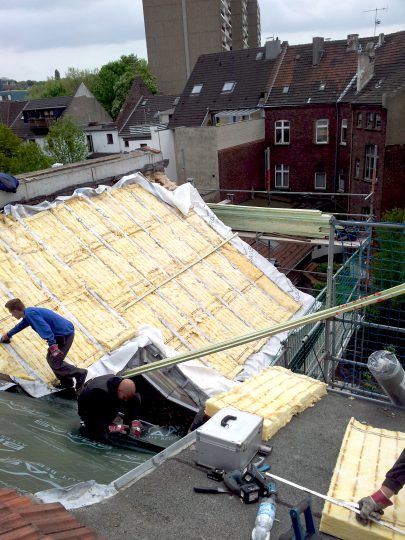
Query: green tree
29	157
66	86
389	258
17	157
49	88
9	146
115	80
66	141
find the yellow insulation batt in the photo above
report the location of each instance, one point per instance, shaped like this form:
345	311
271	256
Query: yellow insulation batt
365	457
276	394
108	262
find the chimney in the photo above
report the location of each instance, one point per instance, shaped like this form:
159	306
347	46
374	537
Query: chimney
272	48
380	40
365	66
352	42
317	50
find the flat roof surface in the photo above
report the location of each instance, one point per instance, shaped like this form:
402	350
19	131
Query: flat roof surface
163	504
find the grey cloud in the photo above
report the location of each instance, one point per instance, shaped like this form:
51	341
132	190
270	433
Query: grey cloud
73	23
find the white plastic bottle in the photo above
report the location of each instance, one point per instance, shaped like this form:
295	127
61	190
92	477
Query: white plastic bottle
264	519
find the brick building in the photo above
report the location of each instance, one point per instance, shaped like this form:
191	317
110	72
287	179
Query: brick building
334	122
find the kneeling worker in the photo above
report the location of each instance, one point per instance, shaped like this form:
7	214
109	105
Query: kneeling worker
57	331
107	404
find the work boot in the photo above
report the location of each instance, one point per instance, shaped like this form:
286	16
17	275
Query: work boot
80	380
64	384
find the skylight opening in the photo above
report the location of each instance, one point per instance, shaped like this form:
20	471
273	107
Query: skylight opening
259	55
322	85
286	89
228	87
196	89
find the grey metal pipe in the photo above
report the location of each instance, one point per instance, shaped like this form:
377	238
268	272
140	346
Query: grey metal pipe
390	375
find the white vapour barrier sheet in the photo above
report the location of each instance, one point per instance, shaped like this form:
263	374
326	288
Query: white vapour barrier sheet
135	264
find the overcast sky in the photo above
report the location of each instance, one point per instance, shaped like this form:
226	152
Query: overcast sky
39	36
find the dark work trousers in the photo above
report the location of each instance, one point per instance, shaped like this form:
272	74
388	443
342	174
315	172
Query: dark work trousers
64	371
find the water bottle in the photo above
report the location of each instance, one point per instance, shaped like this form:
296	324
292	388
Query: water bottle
264	519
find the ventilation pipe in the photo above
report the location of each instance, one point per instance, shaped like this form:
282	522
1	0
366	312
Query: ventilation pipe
388	372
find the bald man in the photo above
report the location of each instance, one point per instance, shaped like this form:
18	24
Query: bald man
106	404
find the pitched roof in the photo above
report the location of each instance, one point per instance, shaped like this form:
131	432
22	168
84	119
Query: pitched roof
136	93
248	68
146	112
48	103
298	82
10	111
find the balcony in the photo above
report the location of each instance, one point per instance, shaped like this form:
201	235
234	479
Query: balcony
41	125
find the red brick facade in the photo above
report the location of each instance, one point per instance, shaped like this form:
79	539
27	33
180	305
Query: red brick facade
355	135
241	167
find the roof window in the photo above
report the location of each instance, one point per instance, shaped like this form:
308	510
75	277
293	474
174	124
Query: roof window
322	85
285	89
228	87
196	89
259	55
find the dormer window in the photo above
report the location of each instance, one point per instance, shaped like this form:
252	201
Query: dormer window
228	87
196	89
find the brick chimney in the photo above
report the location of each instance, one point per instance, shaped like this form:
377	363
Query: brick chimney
365	66
272	48
317	50
352	42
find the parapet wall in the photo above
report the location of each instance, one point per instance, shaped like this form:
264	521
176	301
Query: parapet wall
66	178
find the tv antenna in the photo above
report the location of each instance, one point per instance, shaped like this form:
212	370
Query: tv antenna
377	21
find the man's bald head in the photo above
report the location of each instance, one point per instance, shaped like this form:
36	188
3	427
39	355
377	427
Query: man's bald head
126	389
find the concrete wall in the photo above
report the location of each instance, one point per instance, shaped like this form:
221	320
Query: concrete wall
163	140
231	135
395	105
197	156
69	177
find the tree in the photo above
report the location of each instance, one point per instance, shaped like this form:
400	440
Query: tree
115	80
66	86
17	157
66	141
389	249
30	157
9	145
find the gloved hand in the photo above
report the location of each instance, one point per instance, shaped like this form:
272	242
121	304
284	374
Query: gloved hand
136	429
4	339
54	350
372	506
117	428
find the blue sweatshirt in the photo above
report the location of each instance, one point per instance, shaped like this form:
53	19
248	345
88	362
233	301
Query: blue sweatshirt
45	322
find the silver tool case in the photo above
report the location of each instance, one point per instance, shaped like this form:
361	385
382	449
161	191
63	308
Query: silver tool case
229	440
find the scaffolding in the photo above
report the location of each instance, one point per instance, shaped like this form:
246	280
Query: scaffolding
336	350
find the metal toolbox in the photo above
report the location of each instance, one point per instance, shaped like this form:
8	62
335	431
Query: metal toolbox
229	440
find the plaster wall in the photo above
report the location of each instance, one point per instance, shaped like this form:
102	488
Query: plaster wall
230	135
197	157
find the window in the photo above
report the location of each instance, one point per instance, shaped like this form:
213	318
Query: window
341	185
285	89
228	87
126	143
359	119
322	86
369	120
320	180
282	132
371	162
196	89
377	121
357	168
110	139
322	135
90	145
343	133
282	176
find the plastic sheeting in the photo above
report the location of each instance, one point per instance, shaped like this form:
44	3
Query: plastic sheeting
41	449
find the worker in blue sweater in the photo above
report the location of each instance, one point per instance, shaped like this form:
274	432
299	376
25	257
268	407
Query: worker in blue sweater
57	331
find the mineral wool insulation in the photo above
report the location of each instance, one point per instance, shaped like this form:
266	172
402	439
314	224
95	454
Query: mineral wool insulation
135	264
365	456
